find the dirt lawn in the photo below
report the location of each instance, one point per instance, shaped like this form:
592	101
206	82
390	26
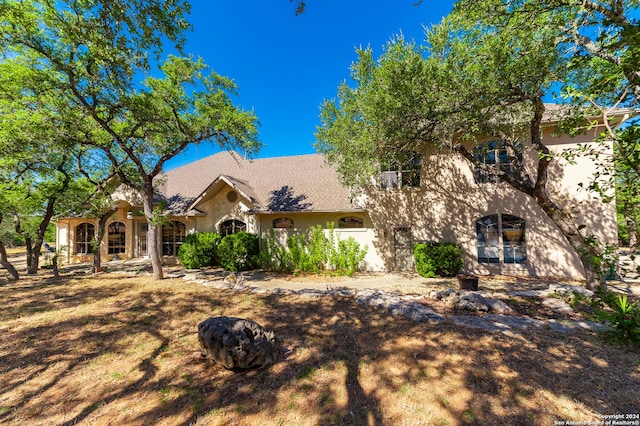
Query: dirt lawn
122	349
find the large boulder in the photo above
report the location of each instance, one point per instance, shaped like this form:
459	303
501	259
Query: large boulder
236	343
473	301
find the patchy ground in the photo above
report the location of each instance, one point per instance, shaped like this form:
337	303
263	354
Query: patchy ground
122	349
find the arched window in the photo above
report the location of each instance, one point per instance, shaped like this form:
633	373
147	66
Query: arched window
283	223
116	237
350	222
232	226
85	234
401	172
494	155
173	235
501	239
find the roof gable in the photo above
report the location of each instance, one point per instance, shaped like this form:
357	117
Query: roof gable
278	184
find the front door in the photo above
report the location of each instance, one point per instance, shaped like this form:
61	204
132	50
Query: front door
403	248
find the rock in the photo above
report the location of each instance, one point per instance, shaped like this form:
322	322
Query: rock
498	306
529	293
473	301
442	294
557	305
452	301
569	289
237	343
397	306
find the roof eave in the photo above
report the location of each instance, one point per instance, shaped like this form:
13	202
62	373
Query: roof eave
274	212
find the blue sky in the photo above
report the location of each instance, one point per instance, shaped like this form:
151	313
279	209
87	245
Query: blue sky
286	65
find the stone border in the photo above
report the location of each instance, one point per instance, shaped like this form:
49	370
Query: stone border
406	305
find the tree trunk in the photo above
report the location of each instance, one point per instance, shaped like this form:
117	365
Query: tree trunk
152	234
4	261
588	252
632	227
54	265
102	224
35	257
29	248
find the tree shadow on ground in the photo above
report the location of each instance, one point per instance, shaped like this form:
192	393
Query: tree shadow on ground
348	364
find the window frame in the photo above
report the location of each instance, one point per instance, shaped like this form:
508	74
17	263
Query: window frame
117	245
171	247
400	174
87	242
499	244
343	224
494	154
234	230
283	223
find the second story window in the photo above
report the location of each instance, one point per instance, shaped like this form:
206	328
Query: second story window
402	173
497	156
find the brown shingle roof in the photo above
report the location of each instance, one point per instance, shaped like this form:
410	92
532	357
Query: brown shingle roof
278	184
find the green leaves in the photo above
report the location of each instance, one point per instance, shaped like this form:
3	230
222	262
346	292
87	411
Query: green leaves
76	81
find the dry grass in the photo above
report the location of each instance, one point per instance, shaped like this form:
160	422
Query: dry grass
123	350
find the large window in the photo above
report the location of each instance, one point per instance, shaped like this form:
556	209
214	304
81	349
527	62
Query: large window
501	239
401	173
173	235
116	238
495	157
232	226
85	234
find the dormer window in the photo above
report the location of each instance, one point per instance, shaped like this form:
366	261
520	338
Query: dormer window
401	173
494	155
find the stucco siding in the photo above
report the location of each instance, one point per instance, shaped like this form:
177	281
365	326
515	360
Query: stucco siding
365	236
448	203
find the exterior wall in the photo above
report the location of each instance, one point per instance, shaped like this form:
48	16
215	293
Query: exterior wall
365	236
217	209
448	203
444	208
67	228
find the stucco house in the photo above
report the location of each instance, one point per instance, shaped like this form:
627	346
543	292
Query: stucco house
432	197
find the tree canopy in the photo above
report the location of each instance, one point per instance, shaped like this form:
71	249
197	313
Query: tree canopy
485	70
105	66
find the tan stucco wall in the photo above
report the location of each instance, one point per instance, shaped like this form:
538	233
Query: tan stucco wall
444	208
66	236
366	236
218	209
448	204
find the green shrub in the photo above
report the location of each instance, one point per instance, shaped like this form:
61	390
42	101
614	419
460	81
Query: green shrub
348	256
438	259
199	250
314	252
239	251
274	256
623	316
